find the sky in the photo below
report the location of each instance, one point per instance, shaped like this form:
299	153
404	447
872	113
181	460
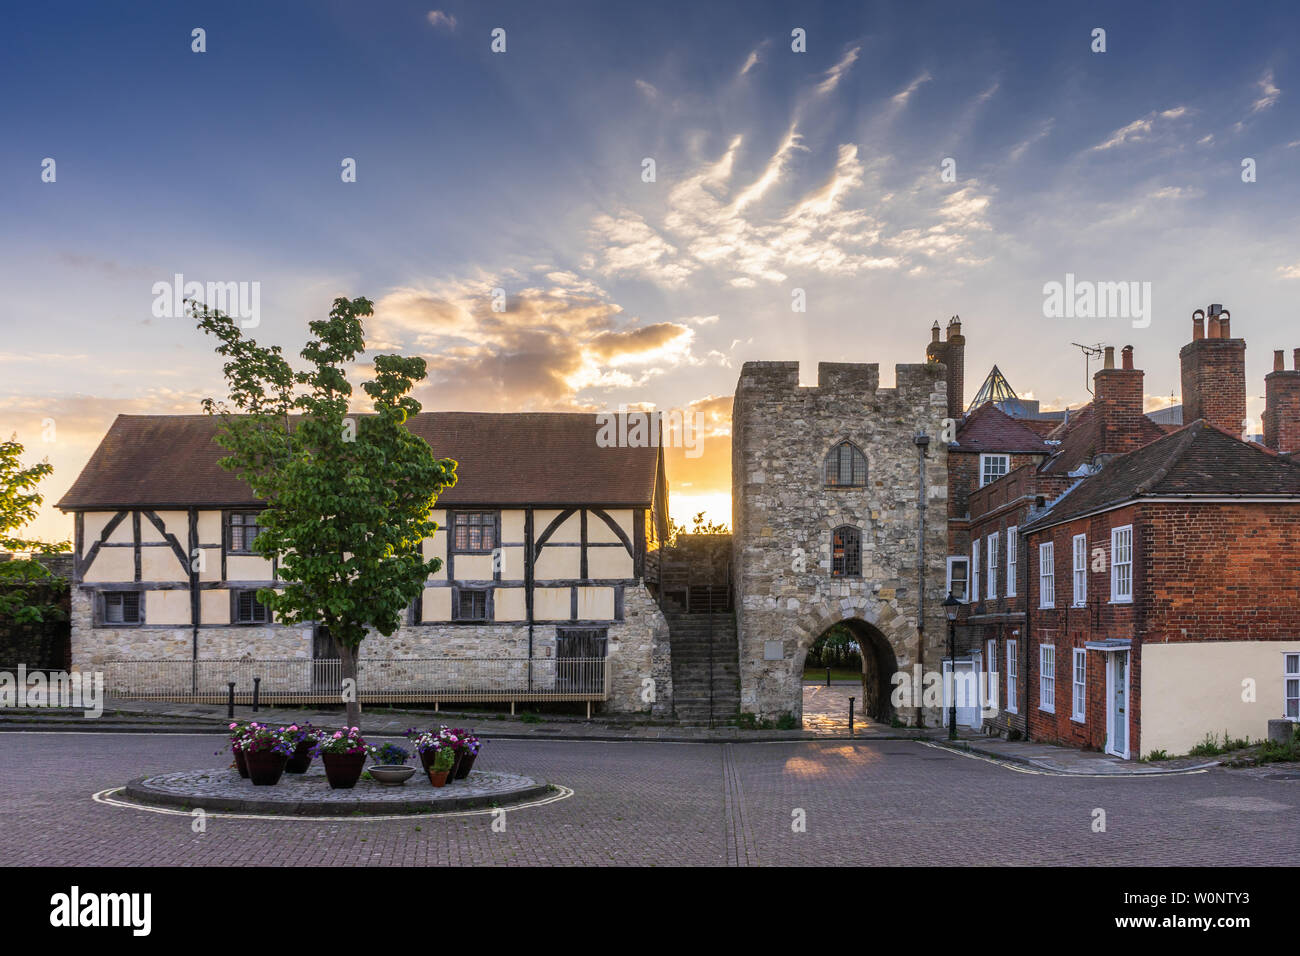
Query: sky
913	161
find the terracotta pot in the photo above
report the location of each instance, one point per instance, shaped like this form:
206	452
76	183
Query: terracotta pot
466	764
438	778
301	758
241	764
265	767
343	770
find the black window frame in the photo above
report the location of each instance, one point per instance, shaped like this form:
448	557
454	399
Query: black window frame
455	524
105	600
844	453
237	596
459	594
243	526
848	564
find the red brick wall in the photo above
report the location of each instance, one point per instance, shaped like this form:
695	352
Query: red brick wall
1067	627
1118	397
1282	410
1214	382
1221	572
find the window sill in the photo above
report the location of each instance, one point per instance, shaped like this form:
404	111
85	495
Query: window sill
1047	710
1127	600
1078	720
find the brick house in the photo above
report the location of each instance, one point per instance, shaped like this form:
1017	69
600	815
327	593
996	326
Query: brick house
1159	610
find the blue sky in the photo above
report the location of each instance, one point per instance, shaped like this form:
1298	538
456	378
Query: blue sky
522	170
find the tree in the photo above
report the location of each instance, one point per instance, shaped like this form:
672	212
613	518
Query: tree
348	497
21	578
699	526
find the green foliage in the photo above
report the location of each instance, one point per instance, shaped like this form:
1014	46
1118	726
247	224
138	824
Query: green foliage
787	721
444	758
1273	752
1157	755
1210	746
348	496
19	504
699	526
528	717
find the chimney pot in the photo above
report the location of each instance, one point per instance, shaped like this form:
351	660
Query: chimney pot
1225	324
1279	360
1213	331
1110	357
1295	360
1198	325
1127	357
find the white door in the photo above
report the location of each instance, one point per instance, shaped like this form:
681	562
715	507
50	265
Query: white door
965	684
1117	709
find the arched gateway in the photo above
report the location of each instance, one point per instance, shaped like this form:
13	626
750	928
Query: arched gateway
811	550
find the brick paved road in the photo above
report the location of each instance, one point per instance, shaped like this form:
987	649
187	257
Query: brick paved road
888	802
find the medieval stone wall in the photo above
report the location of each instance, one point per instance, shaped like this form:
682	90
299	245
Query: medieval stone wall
784	515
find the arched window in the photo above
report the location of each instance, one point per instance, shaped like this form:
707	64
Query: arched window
846	552
845	466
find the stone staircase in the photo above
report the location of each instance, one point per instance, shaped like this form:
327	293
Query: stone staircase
706	667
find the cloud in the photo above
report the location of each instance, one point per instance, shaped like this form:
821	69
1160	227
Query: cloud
441	20
902	96
1018	151
648	89
838	71
750	62
1140	129
1268	93
1289	272
555	347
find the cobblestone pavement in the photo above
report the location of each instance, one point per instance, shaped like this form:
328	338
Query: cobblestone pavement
826	709
650	803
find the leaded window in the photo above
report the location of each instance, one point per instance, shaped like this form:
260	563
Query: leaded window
474	531
846	552
845	466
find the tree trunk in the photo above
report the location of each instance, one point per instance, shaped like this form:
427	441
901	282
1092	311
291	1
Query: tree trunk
348	659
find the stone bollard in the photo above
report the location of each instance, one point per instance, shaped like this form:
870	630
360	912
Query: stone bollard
1281	731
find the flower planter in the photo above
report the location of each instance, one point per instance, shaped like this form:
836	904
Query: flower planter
392	775
438	778
426	759
454	772
265	767
301	758
241	764
343	770
466	763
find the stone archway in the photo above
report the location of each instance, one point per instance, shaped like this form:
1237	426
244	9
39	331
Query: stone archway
879	664
889	643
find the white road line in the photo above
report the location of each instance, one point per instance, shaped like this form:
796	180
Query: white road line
107	798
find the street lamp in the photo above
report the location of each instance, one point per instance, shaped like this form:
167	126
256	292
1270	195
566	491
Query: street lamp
950	611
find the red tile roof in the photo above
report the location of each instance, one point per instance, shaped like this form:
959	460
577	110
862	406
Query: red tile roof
989	429
541	458
1197	460
1078	438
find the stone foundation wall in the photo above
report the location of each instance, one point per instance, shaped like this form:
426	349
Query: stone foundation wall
637	648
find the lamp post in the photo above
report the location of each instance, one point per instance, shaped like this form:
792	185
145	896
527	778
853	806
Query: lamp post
950	611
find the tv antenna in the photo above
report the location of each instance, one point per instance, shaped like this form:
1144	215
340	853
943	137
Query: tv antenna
1090	352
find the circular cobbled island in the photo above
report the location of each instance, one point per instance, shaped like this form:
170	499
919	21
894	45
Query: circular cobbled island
309	794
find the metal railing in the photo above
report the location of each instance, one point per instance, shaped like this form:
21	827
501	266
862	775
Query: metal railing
379	680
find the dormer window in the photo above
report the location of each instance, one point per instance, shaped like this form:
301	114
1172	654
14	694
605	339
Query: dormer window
845	466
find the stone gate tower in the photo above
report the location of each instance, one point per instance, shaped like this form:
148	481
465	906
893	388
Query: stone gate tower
837	492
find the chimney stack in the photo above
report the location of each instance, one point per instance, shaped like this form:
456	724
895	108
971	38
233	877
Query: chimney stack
1282	405
952	353
1117	399
1214	373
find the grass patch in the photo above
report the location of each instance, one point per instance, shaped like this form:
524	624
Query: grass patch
837	673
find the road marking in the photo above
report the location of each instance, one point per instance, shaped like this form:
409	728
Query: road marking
108	798
1040	772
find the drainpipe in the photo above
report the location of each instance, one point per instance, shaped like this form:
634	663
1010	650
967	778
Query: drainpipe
1024	638
922	441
